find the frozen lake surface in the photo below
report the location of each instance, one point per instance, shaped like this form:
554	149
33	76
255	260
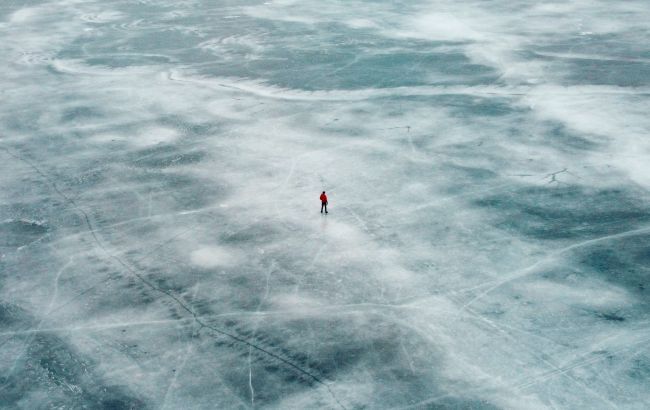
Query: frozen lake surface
488	241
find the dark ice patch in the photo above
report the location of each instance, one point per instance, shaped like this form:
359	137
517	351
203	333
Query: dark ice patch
258	233
459	105
159	40
17	233
170	191
70	379
621	73
621	261
80	113
464	106
598	59
320	349
165	156
462	176
459	403
611	316
14	317
329	58
189	192
558	212
376	70
121	61
561	137
640	368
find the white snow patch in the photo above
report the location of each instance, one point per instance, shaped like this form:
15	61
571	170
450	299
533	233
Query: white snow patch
215	257
155	135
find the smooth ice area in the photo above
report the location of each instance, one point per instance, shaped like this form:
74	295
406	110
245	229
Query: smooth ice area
488	241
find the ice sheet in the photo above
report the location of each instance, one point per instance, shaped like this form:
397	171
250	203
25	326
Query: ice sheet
487	169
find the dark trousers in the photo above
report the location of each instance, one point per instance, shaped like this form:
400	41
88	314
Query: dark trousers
323	205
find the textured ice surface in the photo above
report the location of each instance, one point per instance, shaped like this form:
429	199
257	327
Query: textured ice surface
488	169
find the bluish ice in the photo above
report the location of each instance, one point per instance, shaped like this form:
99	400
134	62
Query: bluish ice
488	169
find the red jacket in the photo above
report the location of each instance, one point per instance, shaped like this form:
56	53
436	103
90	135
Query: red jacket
323	198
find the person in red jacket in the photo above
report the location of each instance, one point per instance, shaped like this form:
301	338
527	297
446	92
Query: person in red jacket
323	202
